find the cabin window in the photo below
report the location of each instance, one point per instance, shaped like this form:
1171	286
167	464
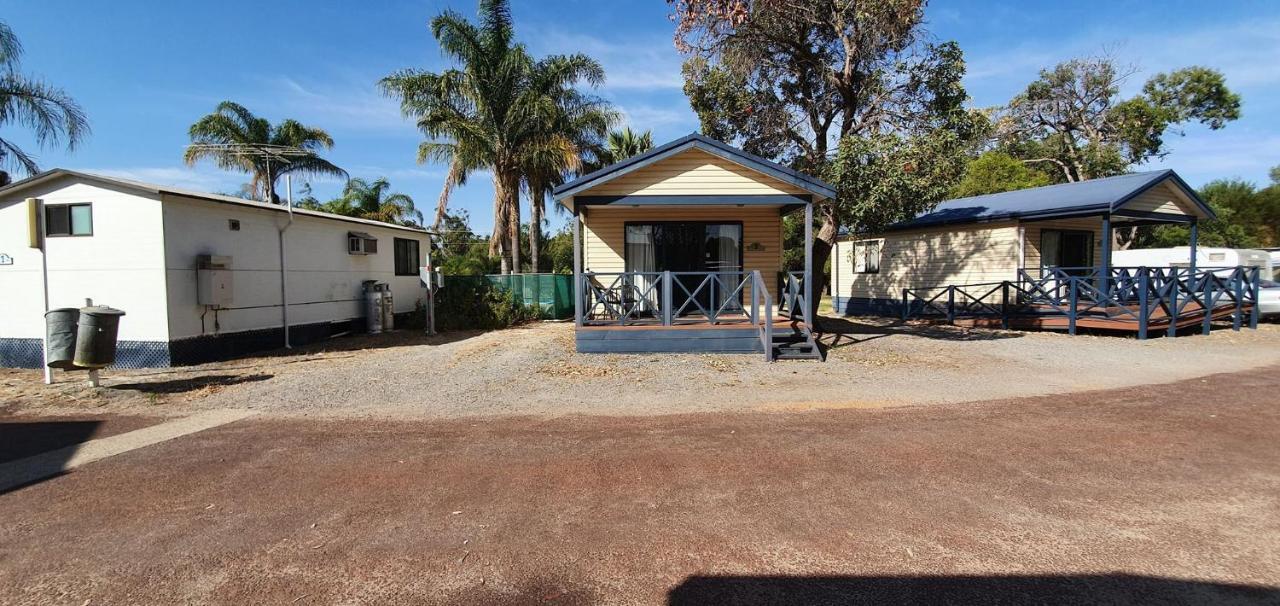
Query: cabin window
866	256
1069	250
68	219
360	243
407	259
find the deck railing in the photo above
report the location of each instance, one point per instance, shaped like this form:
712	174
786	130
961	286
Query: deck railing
793	304
667	297
1133	294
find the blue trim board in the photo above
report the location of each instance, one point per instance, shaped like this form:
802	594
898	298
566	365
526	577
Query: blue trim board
867	306
706	144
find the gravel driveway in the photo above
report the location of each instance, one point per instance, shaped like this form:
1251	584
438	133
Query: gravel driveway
533	371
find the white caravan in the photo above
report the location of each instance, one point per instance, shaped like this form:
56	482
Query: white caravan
1268	295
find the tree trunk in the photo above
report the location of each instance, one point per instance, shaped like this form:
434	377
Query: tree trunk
498	243
513	225
823	243
535	225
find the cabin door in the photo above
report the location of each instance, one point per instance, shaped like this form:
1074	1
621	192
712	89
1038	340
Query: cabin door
1069	250
690	250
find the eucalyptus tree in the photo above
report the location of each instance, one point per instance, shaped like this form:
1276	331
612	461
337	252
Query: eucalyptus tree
53	117
235	139
495	110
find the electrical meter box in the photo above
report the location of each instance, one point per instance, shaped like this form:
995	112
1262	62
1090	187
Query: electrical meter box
213	281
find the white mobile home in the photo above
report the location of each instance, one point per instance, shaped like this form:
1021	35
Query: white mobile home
1180	256
145	248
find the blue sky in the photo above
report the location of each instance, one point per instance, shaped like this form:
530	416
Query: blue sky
145	71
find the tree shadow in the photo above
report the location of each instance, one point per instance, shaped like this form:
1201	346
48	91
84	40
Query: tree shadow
834	333
191	383
977	589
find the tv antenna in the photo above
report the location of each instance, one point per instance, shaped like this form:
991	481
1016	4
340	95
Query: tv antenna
280	154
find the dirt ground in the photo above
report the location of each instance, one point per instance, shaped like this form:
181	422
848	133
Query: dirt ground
534	371
1160	494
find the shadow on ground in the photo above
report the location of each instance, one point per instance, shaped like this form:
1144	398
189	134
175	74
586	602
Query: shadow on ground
191	383
834	333
1052	590
19	440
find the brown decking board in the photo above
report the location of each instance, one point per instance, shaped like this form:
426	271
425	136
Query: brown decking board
778	323
1193	315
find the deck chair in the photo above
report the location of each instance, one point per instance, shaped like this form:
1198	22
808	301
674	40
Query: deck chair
614	302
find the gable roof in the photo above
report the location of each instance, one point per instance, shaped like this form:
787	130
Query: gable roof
696	141
151	188
1082	198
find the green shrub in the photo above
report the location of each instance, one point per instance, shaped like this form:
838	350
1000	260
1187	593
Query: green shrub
473	302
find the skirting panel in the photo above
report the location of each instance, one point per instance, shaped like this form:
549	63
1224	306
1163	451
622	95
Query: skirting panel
633	340
211	348
28	353
867	306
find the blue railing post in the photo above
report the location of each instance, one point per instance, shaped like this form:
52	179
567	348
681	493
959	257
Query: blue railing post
1174	287
906	305
1073	309
1257	292
1237	281
1207	302
1144	283
768	327
666	299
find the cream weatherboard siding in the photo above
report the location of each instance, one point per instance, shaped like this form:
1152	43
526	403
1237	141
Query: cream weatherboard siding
967	254
604	234
693	172
1163	198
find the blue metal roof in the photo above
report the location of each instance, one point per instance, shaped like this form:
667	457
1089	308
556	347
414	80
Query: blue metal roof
1082	198
709	145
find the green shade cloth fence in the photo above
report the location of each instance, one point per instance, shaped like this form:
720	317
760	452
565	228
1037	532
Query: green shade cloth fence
551	294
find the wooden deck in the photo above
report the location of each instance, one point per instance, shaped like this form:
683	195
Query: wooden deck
1191	316
729	335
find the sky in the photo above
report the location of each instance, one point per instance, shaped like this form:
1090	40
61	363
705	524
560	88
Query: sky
145	71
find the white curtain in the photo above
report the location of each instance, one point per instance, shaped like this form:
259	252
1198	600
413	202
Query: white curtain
727	242
640	256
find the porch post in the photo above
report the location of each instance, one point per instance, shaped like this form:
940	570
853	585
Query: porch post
1195	242
577	268
1104	264
808	266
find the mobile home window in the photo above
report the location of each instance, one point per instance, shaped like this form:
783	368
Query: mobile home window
360	243
68	219
407	258
866	256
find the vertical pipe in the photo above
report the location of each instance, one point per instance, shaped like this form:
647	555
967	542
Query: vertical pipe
809	303
284	267
577	267
36	230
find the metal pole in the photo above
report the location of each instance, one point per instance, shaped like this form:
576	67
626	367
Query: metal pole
1194	245
284	266
1104	265
36	216
577	267
809	303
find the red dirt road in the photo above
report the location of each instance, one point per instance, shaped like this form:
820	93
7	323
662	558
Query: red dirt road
1163	494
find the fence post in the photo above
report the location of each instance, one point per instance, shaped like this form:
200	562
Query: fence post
666	298
1174	287
1237	280
1257	292
1144	284
1004	304
951	304
906	305
1073	309
1207	303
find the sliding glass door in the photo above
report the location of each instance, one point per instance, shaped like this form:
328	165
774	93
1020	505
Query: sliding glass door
700	247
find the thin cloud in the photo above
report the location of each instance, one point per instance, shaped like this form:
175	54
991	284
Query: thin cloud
648	63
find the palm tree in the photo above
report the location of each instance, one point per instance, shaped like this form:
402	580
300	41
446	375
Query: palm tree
491	112
53	116
367	200
623	144
235	139
581	122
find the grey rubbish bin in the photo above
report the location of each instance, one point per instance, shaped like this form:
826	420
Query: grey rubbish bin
60	332
96	337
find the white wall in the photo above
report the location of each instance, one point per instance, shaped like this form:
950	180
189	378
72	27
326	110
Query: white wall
324	280
121	264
